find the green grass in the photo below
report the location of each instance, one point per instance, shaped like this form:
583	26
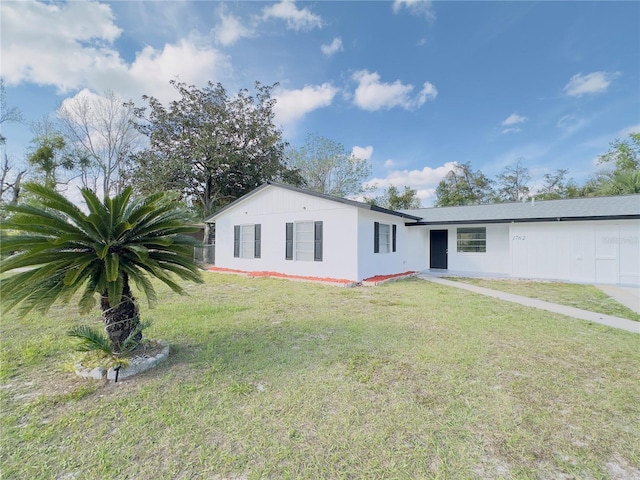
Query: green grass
586	297
275	379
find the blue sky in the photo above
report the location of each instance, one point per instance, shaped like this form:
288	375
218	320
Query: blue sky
410	86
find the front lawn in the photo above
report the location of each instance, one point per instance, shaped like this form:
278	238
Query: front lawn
270	378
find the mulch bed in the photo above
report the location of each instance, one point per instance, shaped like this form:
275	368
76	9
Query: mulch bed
375	280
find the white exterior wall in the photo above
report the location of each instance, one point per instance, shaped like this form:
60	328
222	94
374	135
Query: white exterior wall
409	255
495	260
605	251
418	247
272	208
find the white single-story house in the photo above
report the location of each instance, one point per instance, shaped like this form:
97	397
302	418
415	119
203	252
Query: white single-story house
292	231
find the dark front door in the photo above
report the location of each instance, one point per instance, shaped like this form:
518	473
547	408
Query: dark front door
438	249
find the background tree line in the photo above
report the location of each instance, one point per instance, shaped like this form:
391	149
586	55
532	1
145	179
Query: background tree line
211	147
619	174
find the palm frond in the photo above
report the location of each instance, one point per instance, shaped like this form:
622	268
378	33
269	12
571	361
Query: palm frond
88	299
143	283
90	339
94	204
111	264
68	250
54	201
114	290
130	342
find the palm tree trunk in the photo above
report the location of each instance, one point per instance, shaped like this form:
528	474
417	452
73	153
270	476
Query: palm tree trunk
120	320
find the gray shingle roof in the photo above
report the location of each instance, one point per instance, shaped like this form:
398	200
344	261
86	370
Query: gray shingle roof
625	206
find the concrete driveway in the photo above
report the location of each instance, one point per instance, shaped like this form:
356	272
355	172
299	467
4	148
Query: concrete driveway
627	296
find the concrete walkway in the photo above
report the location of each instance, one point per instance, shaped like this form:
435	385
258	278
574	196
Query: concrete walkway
608	320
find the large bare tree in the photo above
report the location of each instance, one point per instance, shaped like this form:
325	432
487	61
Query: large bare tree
8	114
100	129
513	182
327	167
9	180
10	183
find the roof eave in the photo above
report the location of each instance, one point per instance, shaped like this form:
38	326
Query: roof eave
527	220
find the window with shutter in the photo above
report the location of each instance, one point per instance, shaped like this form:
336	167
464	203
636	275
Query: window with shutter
236	241
289	242
384	237
317	247
246	241
376	237
257	240
304	241
393	239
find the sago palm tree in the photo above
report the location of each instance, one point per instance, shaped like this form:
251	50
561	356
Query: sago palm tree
60	250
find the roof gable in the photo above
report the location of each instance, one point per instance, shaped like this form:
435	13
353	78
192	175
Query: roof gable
324	196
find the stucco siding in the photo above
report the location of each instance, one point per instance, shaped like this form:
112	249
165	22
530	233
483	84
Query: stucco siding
495	260
272	208
417	246
604	251
404	259
570	245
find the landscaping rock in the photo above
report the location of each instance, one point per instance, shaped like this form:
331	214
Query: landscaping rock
98	373
137	365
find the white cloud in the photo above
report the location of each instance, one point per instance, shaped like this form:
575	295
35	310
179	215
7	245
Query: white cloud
596	82
54	44
511	130
572	123
625	132
229	30
602	142
334	47
292	105
514	119
389	163
428	92
528	152
426	196
413	178
69	46
423	181
296	19
363	153
371	94
152	69
421	8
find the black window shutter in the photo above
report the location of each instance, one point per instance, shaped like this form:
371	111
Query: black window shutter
376	237
393	237
317	246
236	241
256	245
289	242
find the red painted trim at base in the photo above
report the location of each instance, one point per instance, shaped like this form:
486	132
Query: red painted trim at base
341	281
381	278
375	280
